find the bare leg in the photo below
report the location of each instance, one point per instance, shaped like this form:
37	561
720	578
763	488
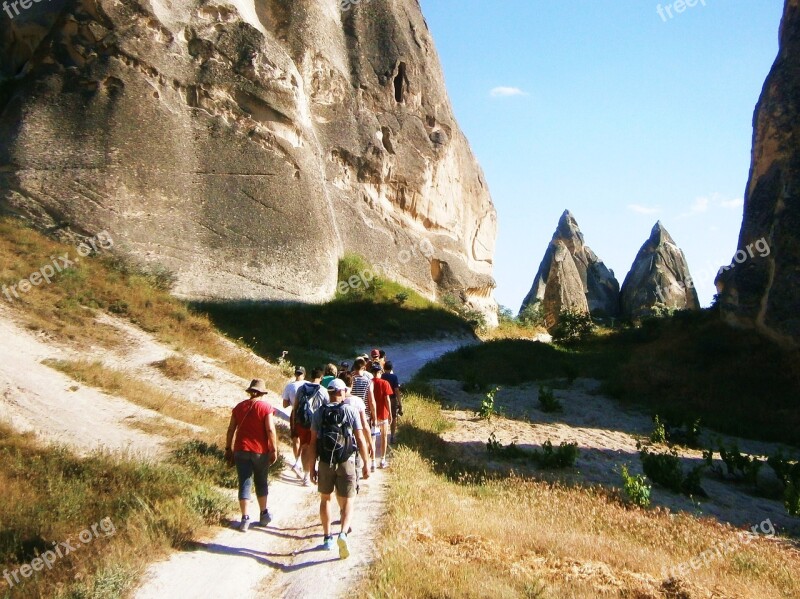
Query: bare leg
346	507
305	456
296	448
325	513
262	504
243	506
384	439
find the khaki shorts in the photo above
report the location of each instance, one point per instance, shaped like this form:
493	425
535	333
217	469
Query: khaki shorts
341	477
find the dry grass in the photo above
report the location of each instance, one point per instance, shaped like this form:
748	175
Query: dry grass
468	536
95	374
66	308
175	367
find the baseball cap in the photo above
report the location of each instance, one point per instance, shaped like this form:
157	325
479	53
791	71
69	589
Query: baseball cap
376	366
299	370
376	353
337	385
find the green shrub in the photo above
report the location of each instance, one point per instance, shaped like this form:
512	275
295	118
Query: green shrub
548	402
509	452
552	459
788	473
486	410
665	469
573	325
636	489
532	316
659	434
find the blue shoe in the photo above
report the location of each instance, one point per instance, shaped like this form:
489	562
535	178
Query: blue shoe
266	518
328	544
344	550
244	524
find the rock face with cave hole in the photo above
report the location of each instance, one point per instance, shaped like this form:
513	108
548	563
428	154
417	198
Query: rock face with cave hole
245	146
761	287
595	281
659	279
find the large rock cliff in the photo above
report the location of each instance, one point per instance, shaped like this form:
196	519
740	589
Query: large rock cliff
659	279
595	281
246	146
761	287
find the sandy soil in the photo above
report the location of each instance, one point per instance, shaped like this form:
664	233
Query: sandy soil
284	559
606	433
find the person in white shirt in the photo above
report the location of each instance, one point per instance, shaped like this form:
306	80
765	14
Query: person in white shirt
289	399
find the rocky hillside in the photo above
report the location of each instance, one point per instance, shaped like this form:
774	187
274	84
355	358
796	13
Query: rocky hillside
247	146
592	279
761	287
659	278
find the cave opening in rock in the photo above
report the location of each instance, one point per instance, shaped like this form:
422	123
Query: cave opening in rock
400	82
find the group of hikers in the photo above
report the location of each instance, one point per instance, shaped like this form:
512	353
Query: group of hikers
341	423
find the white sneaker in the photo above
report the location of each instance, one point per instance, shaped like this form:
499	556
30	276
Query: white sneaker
306	482
244	524
384	464
372	467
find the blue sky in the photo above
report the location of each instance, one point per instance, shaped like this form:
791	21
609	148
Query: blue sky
611	111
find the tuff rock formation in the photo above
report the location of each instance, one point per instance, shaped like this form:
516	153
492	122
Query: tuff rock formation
246	146
564	288
761	288
596	282
659	278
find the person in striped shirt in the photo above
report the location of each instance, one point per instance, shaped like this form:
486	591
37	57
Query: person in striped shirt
362	387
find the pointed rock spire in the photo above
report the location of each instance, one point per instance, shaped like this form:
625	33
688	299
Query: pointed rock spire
659	277
595	282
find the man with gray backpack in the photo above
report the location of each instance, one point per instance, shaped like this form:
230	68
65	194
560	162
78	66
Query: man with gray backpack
336	435
311	396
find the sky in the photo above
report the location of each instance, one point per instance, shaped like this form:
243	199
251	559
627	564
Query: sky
614	112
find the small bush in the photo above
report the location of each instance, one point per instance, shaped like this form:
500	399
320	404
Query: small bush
486	410
549	458
659	434
572	326
532	316
636	489
789	474
175	367
548	402
665	470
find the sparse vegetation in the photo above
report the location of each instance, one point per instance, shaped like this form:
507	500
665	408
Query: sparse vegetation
548	402
659	434
50	495
635	488
175	367
573	326
509	536
665	469
486	411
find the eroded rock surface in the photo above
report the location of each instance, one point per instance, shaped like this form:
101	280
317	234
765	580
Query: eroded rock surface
246	146
762	288
659	279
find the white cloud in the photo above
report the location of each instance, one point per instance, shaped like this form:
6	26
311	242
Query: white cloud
639	209
506	92
732	204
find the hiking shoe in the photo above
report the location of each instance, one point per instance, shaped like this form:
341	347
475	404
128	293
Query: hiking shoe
266	518
344	550
244	524
328	544
384	464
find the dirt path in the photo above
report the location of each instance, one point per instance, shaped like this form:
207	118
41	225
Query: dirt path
284	559
409	358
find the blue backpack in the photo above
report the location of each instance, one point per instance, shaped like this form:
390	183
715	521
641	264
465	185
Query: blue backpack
309	400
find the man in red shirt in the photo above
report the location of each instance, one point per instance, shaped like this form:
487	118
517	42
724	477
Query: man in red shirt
382	391
255	450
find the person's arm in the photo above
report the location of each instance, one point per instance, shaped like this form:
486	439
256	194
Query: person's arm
286	401
313	452
272	437
371	402
399	396
231	433
364	452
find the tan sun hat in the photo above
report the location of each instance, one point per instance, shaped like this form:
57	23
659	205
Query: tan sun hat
257	386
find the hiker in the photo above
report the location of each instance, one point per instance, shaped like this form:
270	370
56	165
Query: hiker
255	450
397	399
289	395
355	400
309	398
336	435
330	373
375	356
383	410
362	387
